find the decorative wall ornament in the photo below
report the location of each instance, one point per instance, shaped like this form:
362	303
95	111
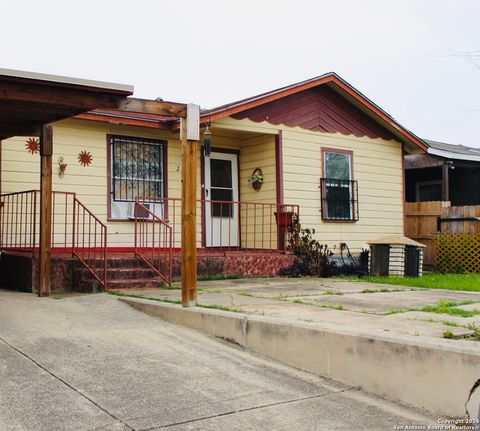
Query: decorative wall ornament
85	158
33	145
256	179
62	167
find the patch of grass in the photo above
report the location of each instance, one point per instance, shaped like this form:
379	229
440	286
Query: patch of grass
465	282
448	335
450	323
244	294
399	310
209	290
475	329
442	307
382	290
333	306
445	307
286	296
333	292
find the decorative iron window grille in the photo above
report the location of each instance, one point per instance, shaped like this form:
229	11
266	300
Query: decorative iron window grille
339	199
137	168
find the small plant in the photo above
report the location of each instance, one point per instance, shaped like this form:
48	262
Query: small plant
475	329
333	292
313	256
448	335
256	179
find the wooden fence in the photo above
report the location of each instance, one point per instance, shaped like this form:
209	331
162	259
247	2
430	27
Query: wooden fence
424	219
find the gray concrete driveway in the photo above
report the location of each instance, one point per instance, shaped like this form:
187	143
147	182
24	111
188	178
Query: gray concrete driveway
93	363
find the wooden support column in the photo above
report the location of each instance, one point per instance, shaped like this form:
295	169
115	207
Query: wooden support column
446	181
189	246
45	265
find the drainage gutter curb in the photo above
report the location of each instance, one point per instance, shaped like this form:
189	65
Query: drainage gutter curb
434	374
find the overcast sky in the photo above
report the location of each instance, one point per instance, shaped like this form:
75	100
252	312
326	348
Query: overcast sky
408	56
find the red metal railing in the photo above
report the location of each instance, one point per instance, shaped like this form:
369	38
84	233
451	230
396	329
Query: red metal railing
153	241
18	221
89	237
231	226
75	229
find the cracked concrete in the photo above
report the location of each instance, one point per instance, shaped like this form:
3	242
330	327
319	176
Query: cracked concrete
339	302
93	363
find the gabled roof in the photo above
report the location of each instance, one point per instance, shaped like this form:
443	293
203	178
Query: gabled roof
335	82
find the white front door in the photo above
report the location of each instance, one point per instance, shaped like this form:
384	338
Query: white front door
221	194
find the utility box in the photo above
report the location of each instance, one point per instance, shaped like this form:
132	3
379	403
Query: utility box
395	255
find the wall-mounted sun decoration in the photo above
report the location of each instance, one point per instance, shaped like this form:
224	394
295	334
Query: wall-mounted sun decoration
32	145
85	158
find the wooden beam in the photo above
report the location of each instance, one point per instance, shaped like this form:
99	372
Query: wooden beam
8	131
78	99
169	109
445	181
421	161
189	246
46	151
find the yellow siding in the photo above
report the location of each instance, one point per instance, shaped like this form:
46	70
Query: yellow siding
20	170
377	167
258	222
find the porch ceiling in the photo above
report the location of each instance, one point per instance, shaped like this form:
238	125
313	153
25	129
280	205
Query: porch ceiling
30	100
230	133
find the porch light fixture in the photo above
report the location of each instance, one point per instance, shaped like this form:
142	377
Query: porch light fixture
207	141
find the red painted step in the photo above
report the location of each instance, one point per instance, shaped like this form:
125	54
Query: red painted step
123	272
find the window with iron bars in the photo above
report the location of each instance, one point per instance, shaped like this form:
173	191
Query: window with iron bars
137	168
339	199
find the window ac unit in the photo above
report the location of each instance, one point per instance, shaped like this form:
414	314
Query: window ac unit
140	212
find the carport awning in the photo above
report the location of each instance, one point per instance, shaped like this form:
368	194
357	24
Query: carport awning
28	103
30	100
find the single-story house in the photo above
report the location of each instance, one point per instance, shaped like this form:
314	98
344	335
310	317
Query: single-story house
445	172
317	153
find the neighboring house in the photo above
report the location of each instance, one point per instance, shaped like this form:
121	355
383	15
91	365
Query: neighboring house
319	150
444	173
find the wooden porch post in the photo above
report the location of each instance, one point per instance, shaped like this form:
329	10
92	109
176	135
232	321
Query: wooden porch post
446	181
189	246
46	150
